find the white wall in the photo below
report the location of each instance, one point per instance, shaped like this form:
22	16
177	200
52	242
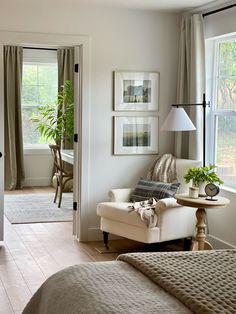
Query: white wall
222	221
38	167
120	40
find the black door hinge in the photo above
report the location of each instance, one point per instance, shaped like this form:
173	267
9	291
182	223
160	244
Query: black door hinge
76	138
74	205
76	68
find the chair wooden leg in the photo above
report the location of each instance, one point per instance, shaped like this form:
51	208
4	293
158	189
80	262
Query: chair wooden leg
55	198
60	197
187	243
60	191
105	239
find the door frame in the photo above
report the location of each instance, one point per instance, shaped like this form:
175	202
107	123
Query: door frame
82	112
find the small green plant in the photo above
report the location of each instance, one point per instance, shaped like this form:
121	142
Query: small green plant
202	174
56	121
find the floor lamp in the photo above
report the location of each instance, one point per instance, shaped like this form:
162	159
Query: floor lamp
178	120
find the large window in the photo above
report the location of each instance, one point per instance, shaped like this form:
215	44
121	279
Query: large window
224	110
39	86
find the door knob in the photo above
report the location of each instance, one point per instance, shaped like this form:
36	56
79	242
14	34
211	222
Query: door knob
0	155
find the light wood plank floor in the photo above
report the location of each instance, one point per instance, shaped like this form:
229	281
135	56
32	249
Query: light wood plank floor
31	253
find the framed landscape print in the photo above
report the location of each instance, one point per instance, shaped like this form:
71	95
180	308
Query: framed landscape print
135	135
136	91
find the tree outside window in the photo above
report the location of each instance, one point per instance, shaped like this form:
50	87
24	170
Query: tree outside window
224	111
39	87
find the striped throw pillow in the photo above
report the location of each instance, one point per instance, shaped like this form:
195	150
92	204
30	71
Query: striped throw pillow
147	189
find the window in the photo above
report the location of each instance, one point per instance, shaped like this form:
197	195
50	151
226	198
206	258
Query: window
39	86
224	110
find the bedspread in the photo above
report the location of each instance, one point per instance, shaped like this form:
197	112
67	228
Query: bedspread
102	288
205	281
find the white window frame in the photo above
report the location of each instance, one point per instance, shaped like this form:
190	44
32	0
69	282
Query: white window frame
214	112
34	56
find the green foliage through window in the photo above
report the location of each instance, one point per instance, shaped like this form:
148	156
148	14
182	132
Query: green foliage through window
39	87
224	111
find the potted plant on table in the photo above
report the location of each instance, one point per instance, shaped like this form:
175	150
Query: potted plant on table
200	176
55	121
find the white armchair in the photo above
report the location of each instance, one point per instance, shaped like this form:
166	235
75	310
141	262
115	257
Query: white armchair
174	221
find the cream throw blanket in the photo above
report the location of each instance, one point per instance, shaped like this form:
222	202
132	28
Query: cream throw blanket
163	169
146	210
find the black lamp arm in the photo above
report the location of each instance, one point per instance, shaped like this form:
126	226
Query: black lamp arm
189	105
204	104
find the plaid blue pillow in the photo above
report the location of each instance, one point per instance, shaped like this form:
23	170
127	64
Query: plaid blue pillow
147	189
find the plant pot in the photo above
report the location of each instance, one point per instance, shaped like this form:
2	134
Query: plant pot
201	186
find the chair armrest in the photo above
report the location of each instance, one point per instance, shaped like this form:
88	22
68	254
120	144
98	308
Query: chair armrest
120	195
167	203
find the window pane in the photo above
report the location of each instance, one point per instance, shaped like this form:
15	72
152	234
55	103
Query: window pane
29	95
47	82
226	89
39	87
30	74
226	149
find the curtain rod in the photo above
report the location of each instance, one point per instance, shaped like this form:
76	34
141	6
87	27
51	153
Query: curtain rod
54	49
218	10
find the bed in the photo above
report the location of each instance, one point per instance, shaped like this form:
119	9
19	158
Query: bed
169	282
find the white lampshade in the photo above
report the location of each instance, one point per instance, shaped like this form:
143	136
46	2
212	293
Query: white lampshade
177	120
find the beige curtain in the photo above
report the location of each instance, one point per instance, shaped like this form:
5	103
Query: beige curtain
14	164
65	59
191	84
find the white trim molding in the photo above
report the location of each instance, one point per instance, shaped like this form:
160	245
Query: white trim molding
218	244
51	40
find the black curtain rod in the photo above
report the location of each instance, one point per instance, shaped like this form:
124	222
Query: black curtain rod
219	10
54	49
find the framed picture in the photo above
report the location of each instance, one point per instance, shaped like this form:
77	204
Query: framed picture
136	91
135	135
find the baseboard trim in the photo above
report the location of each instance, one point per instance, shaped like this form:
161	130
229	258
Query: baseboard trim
44	181
219	244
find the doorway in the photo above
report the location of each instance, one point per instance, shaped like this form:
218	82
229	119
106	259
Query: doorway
81	47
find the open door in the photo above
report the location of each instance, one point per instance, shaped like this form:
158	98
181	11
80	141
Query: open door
77	152
1	145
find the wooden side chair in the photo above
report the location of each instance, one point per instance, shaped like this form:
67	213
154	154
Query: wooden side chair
62	176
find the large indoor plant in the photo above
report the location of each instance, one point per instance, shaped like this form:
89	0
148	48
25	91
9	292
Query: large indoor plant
200	176
55	121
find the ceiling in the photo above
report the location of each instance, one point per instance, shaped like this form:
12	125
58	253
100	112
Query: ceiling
157	5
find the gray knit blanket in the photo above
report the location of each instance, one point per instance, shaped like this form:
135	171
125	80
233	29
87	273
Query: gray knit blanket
102	288
205	281
163	169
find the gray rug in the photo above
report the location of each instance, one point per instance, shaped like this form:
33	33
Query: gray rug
29	208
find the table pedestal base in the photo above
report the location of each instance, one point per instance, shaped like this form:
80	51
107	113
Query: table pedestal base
200	242
195	246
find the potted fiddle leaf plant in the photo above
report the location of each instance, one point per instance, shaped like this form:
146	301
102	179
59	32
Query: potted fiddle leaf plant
55	121
200	176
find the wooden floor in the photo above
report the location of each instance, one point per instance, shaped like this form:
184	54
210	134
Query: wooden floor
31	253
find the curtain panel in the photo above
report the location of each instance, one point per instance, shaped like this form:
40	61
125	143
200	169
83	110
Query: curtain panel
65	59
191	84
14	163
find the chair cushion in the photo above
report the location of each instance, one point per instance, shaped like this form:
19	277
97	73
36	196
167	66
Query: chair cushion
120	212
146	189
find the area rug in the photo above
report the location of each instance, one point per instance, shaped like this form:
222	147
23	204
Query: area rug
30	208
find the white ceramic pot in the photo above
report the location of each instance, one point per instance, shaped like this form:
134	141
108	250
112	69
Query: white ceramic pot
201	186
193	192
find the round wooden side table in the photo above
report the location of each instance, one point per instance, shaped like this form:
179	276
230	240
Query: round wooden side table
201	204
